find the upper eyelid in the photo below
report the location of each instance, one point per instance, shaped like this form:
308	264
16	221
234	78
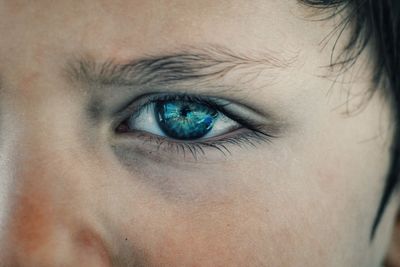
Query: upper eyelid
113	81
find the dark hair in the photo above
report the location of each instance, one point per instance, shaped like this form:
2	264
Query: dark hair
375	23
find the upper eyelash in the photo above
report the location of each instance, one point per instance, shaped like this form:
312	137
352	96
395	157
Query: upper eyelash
203	100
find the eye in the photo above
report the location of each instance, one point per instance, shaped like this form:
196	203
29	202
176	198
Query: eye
183	123
181	119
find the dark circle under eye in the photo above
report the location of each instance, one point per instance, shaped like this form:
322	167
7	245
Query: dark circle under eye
185	120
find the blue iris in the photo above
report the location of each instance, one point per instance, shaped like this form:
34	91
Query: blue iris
185	120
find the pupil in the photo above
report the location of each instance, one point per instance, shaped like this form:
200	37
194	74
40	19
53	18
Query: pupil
185	110
184	120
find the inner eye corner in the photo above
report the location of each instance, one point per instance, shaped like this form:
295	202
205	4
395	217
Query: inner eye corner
121	128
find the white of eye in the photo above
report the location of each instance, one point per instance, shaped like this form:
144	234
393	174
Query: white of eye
146	121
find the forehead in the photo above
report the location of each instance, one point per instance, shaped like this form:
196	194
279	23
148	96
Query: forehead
123	28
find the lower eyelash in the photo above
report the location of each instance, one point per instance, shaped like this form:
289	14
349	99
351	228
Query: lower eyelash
198	148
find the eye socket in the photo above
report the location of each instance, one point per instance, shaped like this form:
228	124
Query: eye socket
180	119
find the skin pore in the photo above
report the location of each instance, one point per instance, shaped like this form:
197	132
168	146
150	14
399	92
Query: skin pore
76	192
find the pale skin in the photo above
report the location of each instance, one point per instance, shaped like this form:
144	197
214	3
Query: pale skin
75	193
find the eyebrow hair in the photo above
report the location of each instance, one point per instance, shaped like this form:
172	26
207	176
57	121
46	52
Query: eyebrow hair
211	62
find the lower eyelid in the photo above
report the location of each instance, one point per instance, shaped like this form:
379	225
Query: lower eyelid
240	136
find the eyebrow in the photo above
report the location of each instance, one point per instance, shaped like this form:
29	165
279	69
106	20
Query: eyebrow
199	64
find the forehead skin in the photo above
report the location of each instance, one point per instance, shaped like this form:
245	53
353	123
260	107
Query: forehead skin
133	28
306	199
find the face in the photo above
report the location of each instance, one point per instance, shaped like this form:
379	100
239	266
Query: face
186	133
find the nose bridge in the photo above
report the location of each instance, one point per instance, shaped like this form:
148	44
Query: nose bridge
32	222
45	224
39	203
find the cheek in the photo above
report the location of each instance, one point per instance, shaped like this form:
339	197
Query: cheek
220	234
273	219
342	170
